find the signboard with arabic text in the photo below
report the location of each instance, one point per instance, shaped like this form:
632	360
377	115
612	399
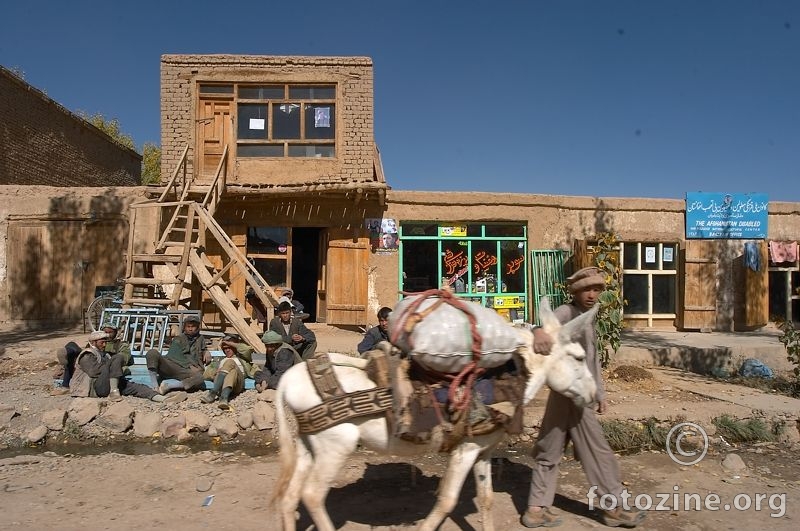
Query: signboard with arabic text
726	216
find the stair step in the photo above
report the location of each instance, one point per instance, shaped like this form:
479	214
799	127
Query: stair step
148	302
177	244
144	281
165	258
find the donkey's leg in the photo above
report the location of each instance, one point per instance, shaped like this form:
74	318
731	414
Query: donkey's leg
291	498
461	460
331	449
483	486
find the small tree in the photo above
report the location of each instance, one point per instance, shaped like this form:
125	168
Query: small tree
609	322
151	163
790	338
109	127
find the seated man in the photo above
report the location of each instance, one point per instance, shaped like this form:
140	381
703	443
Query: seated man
68	354
280	356
376	334
297	306
293	331
98	374
185	360
229	374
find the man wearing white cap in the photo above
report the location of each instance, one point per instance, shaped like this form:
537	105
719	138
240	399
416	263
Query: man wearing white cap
98	374
564	421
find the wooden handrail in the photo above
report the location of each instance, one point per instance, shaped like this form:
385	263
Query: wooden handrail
171	182
252	277
218	184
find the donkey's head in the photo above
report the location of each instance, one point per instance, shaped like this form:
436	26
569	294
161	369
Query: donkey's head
564	370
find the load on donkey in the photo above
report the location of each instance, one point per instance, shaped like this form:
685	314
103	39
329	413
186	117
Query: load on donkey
339	401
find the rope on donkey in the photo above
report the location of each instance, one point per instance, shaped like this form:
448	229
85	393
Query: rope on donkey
467	375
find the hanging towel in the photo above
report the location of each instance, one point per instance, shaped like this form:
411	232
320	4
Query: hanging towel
780	252
752	257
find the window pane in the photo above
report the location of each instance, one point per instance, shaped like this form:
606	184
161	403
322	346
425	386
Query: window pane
312	92
419	229
252	121
286	120
634	291
512	259
631	255
505	230
272	269
649	256
259	150
312	150
475	231
262	92
321	121
455	265
419	265
216	89
267	240
484	267
663	294
669	257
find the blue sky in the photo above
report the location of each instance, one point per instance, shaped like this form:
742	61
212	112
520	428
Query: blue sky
596	97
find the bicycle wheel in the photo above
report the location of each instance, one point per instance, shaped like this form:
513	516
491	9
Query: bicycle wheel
94	313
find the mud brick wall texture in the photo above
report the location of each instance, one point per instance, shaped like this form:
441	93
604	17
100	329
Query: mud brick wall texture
180	75
42	143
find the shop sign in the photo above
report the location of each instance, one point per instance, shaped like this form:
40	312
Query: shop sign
726	216
455	231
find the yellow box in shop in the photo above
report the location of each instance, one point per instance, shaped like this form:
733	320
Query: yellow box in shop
508	301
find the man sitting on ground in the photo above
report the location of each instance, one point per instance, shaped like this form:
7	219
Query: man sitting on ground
293	331
98	374
185	360
229	374
69	353
280	356
376	334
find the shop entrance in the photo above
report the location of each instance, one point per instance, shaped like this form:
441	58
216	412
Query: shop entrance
305	267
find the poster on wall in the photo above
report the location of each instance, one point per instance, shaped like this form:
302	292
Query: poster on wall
726	216
383	236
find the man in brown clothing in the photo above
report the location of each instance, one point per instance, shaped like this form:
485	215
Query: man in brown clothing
564	421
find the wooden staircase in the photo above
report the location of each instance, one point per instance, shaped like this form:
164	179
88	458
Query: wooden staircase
176	268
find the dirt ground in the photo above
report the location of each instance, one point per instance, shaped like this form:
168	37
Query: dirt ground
129	484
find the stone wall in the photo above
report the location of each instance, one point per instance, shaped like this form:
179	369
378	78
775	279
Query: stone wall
42	143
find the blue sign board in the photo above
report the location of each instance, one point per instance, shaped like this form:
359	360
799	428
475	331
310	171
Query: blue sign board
726	216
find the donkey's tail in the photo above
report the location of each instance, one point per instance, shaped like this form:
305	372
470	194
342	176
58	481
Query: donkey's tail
287	437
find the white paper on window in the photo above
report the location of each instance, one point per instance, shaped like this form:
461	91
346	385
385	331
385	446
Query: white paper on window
257	123
668	254
650	255
288	107
322	117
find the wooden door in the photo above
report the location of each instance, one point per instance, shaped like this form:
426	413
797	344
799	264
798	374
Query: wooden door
699	286
346	269
214	132
756	290
46	280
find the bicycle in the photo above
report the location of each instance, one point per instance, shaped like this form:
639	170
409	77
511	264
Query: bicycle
107	297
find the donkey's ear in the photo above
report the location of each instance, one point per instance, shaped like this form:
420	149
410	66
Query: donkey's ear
546	315
574	329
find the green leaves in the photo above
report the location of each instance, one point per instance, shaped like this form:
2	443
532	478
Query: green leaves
790	338
609	318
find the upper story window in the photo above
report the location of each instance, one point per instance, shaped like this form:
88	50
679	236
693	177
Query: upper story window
286	120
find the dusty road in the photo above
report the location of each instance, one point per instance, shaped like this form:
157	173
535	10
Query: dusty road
162	485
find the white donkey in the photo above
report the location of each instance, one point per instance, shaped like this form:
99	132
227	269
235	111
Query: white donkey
310	462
